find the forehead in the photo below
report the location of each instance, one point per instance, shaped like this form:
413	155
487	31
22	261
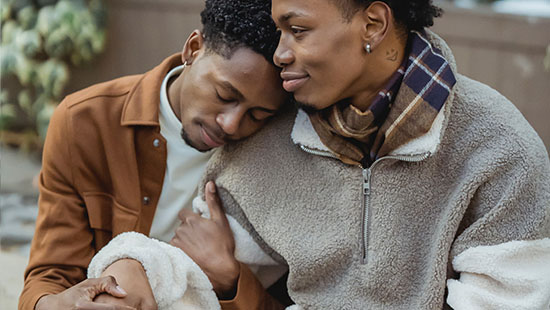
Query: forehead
283	10
249	72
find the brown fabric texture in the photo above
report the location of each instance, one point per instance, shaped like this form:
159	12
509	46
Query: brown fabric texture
250	294
339	127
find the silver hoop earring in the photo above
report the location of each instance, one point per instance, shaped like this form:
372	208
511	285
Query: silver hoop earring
368	48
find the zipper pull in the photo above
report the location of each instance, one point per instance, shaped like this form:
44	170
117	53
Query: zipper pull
366	182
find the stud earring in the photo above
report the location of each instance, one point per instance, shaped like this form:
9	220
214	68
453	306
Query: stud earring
368	48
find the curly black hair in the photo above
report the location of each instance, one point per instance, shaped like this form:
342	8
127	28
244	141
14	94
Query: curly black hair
229	25
411	14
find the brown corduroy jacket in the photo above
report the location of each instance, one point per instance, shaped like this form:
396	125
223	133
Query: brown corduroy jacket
103	169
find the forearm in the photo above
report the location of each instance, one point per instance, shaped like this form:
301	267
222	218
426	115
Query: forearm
512	275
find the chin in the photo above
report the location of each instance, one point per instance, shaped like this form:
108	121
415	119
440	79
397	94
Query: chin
310	105
192	143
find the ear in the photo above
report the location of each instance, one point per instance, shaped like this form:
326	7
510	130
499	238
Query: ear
192	47
377	20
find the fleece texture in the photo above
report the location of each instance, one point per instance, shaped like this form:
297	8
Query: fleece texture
176	281
516	276
479	177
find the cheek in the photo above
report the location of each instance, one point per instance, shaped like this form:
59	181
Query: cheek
249	128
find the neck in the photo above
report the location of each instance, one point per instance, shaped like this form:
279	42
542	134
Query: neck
174	94
382	63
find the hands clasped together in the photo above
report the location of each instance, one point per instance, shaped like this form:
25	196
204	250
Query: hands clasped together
124	284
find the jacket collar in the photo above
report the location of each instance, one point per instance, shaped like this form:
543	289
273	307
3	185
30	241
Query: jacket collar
303	133
141	106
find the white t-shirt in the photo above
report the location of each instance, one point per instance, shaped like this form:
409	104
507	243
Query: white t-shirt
184	169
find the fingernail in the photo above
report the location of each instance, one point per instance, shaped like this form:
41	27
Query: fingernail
211	187
121	290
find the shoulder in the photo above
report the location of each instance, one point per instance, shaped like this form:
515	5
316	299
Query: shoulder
106	91
486	119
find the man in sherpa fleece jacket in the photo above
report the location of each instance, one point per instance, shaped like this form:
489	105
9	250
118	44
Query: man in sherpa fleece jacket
419	189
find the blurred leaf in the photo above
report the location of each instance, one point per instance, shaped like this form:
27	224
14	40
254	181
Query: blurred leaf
25	101
10	31
53	75
27	17
4	95
28	42
60	42
25	70
47	20
8	61
8	113
5	10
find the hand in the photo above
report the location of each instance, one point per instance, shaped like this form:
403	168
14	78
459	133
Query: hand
210	244
81	296
132	277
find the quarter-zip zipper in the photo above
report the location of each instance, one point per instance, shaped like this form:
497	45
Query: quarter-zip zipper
317	152
367	174
365	212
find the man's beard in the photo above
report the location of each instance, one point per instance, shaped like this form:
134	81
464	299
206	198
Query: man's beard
304	106
187	140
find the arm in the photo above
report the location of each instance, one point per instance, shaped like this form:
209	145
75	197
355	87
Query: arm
202	239
502	253
62	244
61	220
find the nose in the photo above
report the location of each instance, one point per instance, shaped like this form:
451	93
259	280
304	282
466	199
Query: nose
230	120
283	55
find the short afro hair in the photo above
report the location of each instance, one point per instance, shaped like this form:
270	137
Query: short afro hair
232	24
411	14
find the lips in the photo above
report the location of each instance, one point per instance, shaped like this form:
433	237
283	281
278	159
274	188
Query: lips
292	81
210	139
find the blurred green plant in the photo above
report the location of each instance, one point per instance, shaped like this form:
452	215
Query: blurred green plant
39	39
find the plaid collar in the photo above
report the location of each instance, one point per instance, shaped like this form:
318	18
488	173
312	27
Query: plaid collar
403	110
422	86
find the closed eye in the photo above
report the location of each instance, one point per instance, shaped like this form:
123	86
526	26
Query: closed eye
259	115
297	30
223	99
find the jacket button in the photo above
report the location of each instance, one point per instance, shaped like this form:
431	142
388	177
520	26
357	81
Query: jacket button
156	143
146	200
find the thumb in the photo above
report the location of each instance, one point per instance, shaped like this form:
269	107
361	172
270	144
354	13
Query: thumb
110	286
214	203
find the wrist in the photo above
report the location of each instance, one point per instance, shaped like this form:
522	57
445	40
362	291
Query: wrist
225	285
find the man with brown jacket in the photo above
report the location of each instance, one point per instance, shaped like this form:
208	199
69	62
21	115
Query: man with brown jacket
127	155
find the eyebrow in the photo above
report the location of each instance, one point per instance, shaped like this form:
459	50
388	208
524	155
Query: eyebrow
287	16
227	85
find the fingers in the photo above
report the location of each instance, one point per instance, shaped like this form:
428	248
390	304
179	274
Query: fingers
108	285
186	213
214	203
